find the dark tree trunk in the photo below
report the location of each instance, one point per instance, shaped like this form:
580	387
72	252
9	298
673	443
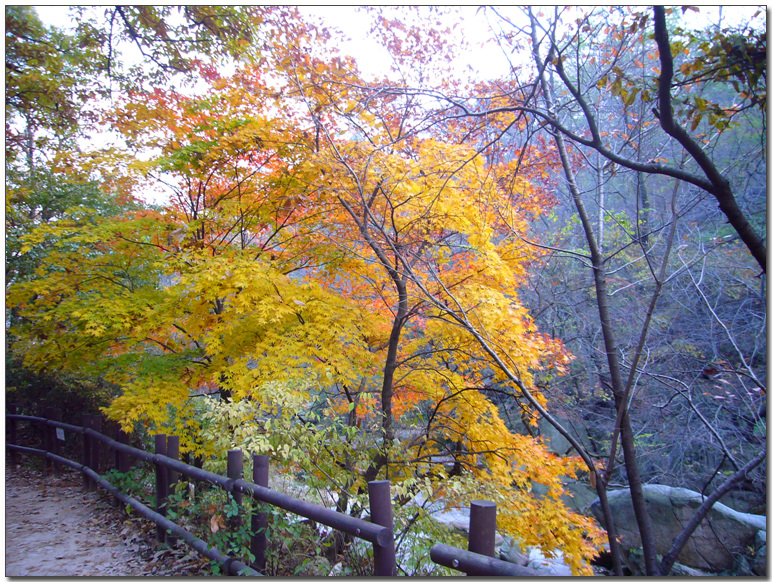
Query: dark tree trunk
720	187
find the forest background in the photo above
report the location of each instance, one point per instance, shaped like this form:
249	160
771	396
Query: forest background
405	275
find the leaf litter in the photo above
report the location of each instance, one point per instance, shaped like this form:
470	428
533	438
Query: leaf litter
54	527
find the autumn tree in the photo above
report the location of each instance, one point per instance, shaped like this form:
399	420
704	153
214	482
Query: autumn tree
306	224
381	200
572	71
49	78
577	85
53	85
344	263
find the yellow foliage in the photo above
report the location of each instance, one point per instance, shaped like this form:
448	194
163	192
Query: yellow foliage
295	273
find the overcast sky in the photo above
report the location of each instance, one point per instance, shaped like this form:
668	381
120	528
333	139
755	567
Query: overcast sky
487	60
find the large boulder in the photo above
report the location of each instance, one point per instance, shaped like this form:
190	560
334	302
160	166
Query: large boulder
512	552
578	496
714	545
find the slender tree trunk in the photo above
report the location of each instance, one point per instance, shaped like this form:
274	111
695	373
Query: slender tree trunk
643	205
29	137
387	389
644	210
601	205
680	540
400	285
600	286
615	371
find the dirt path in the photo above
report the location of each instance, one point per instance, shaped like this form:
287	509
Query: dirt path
55	528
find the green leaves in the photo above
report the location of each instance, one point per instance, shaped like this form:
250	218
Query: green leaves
724	58
50	77
175	39
621	85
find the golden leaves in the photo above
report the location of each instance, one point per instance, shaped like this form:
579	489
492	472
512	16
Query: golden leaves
311	223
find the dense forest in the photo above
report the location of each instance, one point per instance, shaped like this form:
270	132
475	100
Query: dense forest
218	226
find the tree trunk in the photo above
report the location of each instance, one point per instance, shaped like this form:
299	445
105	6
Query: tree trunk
600	286
644	210
720	187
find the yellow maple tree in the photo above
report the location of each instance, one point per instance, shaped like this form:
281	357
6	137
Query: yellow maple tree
319	238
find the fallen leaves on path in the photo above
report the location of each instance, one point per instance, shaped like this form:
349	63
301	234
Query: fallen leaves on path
55	528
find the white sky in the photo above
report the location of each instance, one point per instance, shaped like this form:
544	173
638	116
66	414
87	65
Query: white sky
487	61
355	23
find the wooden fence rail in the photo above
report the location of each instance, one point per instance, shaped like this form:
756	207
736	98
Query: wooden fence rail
477	560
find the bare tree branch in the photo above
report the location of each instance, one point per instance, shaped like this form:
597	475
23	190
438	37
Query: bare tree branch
680	540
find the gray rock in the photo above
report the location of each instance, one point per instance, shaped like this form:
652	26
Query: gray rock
742	567
578	498
637	567
721	536
549	569
582	496
511	552
316	566
554	440
681	570
544	566
759	565
557	442
744	501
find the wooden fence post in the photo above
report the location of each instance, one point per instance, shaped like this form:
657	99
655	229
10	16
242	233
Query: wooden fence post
172	476
96	424
259	541
380	512
12	434
56	414
49	439
122	458
86	449
173	452
235	472
161	484
482	528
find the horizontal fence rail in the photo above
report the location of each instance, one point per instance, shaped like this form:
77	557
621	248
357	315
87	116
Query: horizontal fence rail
381	536
478	560
229	564
371	532
474	564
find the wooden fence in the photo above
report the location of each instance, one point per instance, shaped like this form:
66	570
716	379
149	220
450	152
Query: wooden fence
478	560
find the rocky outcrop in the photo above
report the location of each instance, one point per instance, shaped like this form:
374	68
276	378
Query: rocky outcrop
723	535
578	496
557	442
533	558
